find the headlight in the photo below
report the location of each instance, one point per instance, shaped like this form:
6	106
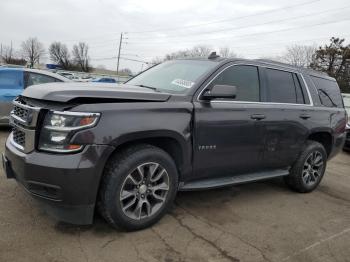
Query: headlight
59	128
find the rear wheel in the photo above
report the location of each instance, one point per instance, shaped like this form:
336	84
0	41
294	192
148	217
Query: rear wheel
308	170
138	187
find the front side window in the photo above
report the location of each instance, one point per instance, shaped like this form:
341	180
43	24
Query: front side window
177	76
11	79
36	79
283	87
244	78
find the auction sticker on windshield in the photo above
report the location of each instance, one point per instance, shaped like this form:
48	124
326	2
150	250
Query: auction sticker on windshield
183	83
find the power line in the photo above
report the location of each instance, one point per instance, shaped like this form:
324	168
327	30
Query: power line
248	26
251	34
224	20
122	58
201	24
259	24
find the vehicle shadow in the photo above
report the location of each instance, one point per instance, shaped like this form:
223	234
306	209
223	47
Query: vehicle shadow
195	201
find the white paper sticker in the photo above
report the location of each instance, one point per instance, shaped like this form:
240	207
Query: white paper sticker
183	83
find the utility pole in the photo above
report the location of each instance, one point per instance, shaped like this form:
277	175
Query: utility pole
120	45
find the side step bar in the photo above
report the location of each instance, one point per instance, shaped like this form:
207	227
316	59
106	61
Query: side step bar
233	180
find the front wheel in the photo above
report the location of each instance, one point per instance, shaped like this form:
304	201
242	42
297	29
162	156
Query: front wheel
308	170
138	187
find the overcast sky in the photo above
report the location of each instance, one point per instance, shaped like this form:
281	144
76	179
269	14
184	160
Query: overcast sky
251	28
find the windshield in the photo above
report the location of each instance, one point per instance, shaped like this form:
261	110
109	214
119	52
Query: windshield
176	76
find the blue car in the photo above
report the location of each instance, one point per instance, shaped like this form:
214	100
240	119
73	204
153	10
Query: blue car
105	80
14	80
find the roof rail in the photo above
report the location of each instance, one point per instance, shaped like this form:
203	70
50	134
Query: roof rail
274	62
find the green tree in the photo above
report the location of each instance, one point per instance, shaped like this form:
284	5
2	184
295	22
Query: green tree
334	59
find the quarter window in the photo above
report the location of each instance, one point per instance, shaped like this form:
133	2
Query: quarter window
283	87
328	92
246	80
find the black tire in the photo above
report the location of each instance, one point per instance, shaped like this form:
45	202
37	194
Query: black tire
299	172
118	170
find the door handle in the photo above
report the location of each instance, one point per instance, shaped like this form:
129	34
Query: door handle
305	116
258	116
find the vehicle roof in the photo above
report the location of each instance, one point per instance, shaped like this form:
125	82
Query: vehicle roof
266	62
44	72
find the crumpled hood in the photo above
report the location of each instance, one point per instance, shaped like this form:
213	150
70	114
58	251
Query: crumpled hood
65	92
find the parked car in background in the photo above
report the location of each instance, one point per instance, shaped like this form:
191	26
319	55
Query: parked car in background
346	98
14	80
68	75
105	80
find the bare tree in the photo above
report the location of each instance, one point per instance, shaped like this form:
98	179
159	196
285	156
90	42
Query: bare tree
200	51
32	50
80	56
196	51
125	71
299	55
7	54
227	52
59	54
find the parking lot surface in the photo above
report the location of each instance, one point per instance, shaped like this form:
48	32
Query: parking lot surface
252	222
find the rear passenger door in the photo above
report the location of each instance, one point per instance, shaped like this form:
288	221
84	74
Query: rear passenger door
286	108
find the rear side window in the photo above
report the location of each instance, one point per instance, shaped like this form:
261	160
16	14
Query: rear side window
36	79
11	79
245	78
283	87
328	92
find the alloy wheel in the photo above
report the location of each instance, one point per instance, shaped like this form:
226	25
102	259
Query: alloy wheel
313	168
144	191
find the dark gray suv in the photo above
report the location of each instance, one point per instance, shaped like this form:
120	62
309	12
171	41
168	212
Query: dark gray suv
181	125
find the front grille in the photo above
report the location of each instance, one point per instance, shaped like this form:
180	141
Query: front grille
24	119
19	137
21	112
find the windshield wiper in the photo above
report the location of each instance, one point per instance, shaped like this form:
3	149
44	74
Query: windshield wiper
149	87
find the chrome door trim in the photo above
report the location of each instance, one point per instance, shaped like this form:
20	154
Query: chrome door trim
252	102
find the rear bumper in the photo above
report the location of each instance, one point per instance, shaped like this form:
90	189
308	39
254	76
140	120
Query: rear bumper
65	184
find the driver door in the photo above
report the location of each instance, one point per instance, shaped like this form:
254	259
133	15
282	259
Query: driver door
227	138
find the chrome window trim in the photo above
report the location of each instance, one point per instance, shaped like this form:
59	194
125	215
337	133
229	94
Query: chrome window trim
254	102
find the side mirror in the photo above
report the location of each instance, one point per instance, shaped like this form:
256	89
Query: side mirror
220	91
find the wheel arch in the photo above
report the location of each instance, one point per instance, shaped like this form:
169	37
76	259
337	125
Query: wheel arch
176	145
324	137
